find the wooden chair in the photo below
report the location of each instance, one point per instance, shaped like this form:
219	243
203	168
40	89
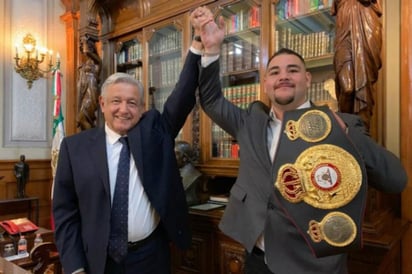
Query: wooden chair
45	256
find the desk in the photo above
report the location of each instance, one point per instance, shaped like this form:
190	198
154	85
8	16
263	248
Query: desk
46	234
28	205
7	267
27	263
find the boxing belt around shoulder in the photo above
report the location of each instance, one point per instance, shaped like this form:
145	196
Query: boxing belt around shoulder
321	181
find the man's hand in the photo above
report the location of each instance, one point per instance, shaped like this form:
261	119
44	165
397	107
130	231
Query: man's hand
212	35
200	17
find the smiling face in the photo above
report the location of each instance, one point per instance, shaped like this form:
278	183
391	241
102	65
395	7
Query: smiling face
122	106
286	82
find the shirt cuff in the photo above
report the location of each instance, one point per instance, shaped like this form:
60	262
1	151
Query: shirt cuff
80	270
195	51
207	60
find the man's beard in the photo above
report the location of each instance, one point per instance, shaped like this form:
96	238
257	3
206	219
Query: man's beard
284	101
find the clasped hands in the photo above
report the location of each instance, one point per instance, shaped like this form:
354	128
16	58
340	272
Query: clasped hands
211	33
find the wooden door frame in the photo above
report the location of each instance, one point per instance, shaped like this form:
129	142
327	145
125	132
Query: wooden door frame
406	125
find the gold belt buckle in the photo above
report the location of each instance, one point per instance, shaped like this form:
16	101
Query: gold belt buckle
324	176
312	126
336	228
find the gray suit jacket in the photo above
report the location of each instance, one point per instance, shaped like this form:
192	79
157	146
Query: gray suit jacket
252	208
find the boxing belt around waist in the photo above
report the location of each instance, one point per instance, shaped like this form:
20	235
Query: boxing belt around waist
321	181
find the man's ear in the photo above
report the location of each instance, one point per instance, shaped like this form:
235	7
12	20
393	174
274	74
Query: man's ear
308	79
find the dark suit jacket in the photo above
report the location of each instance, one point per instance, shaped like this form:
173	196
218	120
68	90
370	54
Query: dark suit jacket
81	199
252	208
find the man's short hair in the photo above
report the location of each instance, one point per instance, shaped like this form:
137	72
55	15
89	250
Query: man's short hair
288	52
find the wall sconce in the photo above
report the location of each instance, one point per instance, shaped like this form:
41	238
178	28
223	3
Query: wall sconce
28	65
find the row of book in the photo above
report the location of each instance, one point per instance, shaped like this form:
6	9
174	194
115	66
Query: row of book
243	20
165	73
130	53
308	45
136	73
320	91
243	54
160	96
292	8
242	95
225	148
223	144
324	93
161	44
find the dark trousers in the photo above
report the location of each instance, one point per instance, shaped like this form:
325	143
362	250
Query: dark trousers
151	258
255	262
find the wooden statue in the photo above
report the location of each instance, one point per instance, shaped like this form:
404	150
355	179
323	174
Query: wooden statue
88	84
357	55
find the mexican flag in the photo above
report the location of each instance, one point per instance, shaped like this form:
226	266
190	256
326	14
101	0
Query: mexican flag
58	128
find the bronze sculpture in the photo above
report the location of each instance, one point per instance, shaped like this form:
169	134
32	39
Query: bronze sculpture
357	57
191	177
21	172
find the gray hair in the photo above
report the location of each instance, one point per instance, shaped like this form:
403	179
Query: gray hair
120	77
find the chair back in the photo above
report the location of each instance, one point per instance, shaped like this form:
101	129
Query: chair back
45	256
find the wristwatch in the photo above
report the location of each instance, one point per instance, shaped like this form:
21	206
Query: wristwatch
197	38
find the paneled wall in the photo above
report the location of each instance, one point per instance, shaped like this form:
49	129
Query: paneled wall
25	114
38	185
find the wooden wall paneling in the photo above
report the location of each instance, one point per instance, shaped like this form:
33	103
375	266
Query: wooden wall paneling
128	16
39	185
406	125
70	74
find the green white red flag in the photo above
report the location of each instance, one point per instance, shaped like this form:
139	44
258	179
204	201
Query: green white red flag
58	128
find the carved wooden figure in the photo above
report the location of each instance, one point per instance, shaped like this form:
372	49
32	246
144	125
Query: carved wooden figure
88	84
357	55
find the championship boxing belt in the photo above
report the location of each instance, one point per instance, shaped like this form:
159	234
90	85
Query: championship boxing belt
321	181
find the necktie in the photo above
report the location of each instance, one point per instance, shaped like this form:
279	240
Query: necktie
118	224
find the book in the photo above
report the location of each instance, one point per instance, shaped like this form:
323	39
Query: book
219	198
206	206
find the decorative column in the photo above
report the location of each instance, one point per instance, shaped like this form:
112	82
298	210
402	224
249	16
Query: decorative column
71	18
406	123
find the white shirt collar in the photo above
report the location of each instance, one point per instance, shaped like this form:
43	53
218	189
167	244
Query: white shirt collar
111	135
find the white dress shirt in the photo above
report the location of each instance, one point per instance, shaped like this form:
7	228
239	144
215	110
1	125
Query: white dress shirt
143	218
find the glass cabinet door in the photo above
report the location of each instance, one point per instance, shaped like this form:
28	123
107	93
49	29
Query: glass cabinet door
240	62
308	28
165	63
128	56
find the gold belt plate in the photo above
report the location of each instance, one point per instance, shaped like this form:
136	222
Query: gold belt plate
324	176
312	126
336	228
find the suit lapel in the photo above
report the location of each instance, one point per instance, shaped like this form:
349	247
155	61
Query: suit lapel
136	147
99	156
